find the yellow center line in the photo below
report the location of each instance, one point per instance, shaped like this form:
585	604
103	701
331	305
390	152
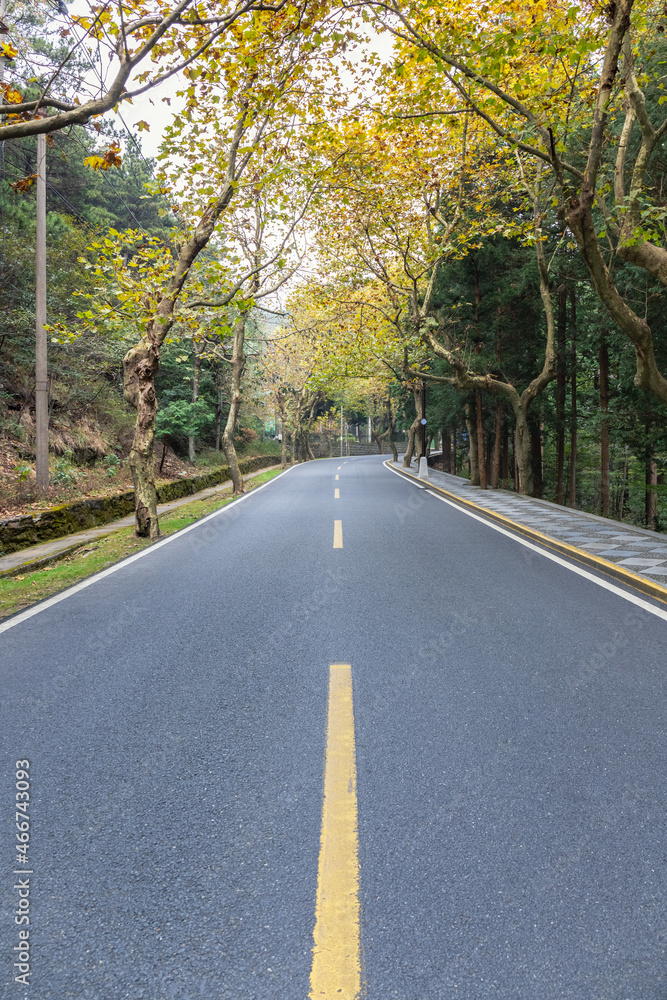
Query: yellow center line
336	494
337	477
336	968
339	468
338	535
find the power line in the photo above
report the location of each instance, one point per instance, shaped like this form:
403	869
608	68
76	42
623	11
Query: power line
74	137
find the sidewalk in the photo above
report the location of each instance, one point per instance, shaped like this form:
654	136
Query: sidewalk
26	560
634	556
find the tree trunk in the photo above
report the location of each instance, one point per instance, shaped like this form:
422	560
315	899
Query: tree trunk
523	453
481	459
280	402
446	451
238	364
454	455
651	494
495	471
505	467
472	446
139	367
536	453
309	455
375	436
391	426
604	426
420	408
294	437
413	431
195	396
572	478
623	491
410	447
561	376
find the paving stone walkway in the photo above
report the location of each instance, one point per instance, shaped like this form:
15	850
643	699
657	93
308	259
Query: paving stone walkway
635	549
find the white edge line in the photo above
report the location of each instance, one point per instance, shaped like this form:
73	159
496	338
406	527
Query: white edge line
658	612
50	601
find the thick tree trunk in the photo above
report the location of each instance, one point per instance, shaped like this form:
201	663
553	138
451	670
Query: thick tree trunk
651	504
413	432
237	365
604	426
561	376
495	471
410	447
391	427
139	367
473	463
523	453
481	457
308	454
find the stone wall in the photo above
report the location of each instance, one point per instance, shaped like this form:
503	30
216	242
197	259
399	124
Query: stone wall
31	529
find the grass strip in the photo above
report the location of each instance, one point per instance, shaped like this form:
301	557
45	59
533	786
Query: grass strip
19	592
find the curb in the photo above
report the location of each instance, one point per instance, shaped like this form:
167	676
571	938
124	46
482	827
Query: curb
617	573
32	564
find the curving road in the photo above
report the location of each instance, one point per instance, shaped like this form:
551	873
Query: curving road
511	764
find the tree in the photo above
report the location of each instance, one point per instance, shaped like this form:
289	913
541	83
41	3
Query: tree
529	77
173	39
247	109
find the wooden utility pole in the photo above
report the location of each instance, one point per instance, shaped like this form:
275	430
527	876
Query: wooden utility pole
41	372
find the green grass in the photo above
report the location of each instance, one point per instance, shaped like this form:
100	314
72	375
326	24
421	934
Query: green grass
19	592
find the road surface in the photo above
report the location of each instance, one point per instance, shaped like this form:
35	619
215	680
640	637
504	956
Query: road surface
503	716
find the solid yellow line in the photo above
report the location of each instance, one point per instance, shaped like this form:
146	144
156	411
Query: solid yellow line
336	968
338	535
337	495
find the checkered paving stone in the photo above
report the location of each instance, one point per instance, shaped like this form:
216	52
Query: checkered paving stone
642	555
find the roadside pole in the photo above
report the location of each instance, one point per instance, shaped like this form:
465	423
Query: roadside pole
41	371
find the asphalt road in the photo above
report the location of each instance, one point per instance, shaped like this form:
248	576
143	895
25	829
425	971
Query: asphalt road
510	750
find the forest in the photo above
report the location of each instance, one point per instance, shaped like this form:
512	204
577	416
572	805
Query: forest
355	211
